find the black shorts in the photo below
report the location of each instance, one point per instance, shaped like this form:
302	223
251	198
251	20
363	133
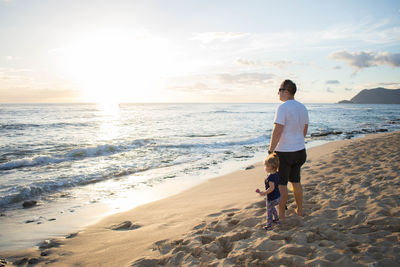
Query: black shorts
289	166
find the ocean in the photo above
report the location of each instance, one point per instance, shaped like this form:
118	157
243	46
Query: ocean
69	157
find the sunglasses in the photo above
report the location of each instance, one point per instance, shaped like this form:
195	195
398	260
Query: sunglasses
281	89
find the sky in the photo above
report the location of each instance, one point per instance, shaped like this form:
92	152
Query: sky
61	51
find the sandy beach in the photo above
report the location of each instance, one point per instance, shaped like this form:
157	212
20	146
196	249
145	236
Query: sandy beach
352	206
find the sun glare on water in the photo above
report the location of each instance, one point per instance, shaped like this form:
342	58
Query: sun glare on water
115	66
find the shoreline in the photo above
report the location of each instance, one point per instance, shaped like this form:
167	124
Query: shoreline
67	217
197	207
70	216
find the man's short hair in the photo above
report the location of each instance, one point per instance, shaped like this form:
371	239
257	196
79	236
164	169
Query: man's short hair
290	86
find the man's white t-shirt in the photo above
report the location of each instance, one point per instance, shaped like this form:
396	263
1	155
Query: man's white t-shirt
293	115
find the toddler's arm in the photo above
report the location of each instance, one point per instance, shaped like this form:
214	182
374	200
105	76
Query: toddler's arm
271	188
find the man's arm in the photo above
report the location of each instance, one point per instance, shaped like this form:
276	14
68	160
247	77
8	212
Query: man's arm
276	135
305	129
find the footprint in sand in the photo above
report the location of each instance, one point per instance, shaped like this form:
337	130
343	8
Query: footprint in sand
206	239
334	171
290	224
333	256
199	226
277	237
298	250
222	226
259	212
362	229
126	225
268	245
234	222
244	234
162	246
214	214
260	204
308	188
250	222
230	210
160	242
146	262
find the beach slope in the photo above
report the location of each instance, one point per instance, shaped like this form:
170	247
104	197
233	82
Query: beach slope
352	205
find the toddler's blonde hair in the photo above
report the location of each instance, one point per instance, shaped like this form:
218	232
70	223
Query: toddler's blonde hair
273	161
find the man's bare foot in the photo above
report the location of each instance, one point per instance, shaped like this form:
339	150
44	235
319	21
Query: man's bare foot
299	212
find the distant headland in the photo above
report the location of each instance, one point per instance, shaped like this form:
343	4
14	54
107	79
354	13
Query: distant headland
375	96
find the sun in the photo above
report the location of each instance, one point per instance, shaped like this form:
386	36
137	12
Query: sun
113	66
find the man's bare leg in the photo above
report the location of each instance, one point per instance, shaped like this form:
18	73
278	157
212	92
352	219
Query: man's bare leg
282	204
298	196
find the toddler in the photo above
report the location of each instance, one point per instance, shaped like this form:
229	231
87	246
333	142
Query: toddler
271	165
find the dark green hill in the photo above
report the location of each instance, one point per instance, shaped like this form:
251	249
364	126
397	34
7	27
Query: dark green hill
376	96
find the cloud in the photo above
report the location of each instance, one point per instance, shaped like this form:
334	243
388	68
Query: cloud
332	82
246	78
329	90
337	68
369	31
11	77
389	59
248	62
208	37
388	85
391	85
282	64
220	83
12	71
244	43
348	89
195	87
26	94
366	59
28	85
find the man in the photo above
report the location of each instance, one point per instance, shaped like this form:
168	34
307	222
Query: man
287	140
